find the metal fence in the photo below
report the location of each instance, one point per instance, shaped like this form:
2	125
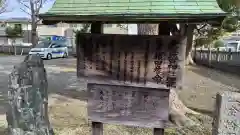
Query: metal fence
20	50
225	61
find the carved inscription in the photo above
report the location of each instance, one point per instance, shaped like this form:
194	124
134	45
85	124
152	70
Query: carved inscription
228	114
166	63
132	59
128	105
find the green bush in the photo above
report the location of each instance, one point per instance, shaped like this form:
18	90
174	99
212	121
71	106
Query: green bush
218	43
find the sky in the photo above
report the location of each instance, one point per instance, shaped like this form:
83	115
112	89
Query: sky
14	10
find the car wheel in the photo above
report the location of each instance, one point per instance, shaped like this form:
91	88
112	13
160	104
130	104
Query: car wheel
65	55
49	56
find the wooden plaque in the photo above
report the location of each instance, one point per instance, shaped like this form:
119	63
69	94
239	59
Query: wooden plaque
128	105
129	58
227	115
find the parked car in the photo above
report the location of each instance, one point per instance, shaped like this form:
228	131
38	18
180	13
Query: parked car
50	49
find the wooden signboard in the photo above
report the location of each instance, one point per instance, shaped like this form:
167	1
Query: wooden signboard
227	115
128	105
129	58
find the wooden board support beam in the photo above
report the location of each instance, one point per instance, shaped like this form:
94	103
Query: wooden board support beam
97	128
158	131
164	29
97	27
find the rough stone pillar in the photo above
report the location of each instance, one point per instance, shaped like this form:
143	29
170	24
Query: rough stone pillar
28	99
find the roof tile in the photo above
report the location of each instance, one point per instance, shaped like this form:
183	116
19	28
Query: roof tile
95	7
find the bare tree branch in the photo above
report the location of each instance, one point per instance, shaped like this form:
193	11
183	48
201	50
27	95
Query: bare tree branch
38	7
3	6
32	8
199	29
24	4
38	20
25	11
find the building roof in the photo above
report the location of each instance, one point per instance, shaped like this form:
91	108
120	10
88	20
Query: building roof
16	20
132	10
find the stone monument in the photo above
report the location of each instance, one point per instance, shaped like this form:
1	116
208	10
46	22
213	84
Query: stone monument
227	114
28	99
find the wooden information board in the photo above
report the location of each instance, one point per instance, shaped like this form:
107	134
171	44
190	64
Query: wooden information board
128	105
227	115
129	58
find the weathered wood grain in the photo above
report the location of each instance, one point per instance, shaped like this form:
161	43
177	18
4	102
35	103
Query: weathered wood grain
97	128
110	57
158	131
128	105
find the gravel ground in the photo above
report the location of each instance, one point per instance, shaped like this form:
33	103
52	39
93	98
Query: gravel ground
67	93
202	84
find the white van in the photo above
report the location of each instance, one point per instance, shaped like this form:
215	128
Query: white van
50	49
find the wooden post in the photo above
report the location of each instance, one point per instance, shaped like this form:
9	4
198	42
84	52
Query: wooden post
229	54
97	27
189	46
216	114
164	29
158	131
195	53
200	53
217	55
97	127
209	56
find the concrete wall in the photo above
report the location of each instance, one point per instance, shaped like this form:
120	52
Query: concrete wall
225	61
3	40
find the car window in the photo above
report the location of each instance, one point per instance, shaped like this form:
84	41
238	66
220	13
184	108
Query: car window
55	46
59	43
43	44
63	45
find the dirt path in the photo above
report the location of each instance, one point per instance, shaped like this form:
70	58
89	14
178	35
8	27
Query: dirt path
202	84
67	96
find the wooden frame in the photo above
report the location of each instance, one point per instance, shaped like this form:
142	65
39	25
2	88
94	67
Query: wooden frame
140	59
128	105
97	127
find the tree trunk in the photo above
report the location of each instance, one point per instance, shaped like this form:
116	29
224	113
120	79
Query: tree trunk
189	59
33	24
34	34
178	110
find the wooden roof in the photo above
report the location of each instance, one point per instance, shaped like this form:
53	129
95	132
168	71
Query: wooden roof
133	11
